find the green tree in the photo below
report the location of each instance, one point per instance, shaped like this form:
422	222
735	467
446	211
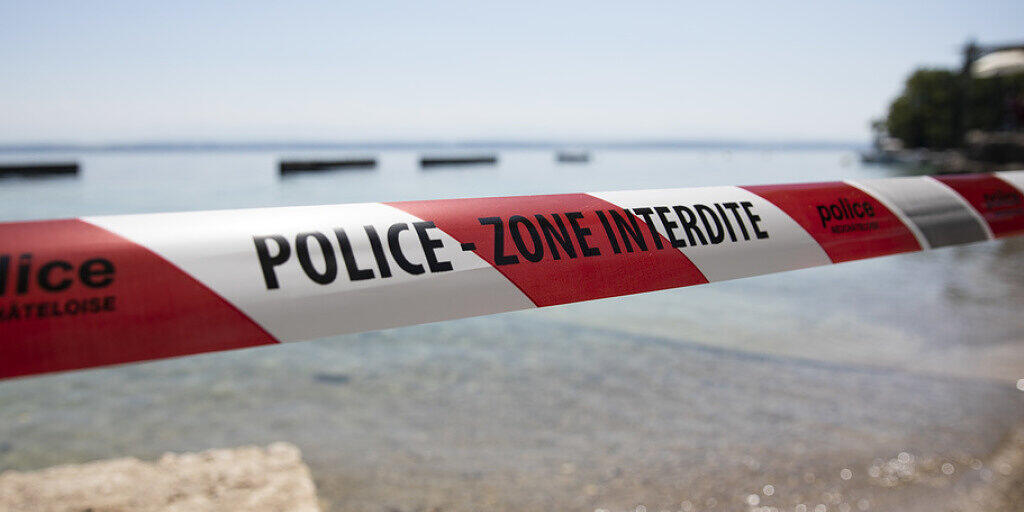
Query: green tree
938	106
925	114
989	102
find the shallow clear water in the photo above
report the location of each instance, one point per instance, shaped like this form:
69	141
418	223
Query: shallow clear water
697	394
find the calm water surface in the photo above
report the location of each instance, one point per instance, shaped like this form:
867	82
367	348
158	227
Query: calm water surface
686	399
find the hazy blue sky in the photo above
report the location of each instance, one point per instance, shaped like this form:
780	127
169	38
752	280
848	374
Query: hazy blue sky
102	71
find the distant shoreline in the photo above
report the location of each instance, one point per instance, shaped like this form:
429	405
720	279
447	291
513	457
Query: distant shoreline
199	146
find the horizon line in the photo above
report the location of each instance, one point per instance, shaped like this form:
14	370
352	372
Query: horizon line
496	143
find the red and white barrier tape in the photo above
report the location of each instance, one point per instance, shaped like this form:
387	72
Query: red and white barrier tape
95	291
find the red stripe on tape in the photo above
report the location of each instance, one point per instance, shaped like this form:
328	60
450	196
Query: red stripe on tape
847	222
998	202
595	271
73	295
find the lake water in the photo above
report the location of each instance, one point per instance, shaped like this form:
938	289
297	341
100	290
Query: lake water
690	399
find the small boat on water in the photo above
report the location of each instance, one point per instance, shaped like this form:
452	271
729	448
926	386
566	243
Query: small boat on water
572	156
297	166
446	160
39	169
887	150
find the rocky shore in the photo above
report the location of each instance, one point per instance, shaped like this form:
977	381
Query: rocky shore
240	479
982	152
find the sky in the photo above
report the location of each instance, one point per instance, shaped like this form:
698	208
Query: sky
112	71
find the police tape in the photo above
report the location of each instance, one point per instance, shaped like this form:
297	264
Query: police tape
95	291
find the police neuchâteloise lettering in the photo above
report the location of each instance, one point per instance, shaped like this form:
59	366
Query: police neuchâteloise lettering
22	277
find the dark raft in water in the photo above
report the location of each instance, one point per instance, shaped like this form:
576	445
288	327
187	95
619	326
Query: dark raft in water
41	169
572	157
294	166
437	161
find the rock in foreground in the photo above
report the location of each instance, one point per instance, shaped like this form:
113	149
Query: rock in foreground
243	479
